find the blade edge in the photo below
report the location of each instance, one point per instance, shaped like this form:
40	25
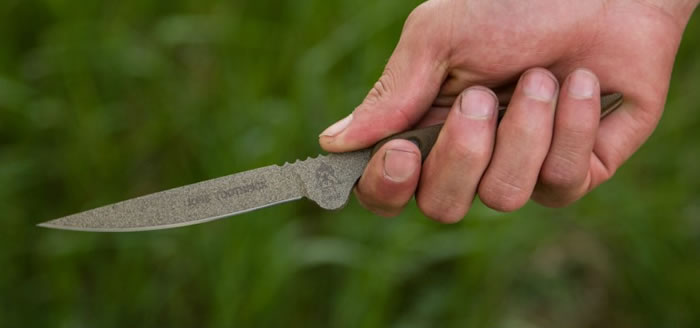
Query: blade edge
166	226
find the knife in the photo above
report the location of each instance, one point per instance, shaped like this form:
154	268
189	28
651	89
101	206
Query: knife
326	179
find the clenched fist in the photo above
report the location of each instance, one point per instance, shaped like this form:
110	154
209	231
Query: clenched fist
551	60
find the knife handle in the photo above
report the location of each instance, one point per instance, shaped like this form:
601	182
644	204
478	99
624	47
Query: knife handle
425	138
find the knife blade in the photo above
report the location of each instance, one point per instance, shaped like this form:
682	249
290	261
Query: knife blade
327	180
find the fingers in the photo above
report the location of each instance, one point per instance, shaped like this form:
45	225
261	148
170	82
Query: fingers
522	143
404	92
452	171
539	152
390	179
565	175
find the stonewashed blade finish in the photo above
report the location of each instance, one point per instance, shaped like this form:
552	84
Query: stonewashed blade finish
327	180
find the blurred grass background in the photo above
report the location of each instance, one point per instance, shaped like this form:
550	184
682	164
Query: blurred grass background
102	101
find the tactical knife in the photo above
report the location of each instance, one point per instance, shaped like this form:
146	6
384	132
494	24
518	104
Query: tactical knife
327	180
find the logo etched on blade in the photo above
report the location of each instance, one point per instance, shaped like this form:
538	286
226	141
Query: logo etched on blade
325	176
327	180
226	194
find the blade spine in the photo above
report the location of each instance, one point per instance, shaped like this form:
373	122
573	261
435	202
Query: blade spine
171	189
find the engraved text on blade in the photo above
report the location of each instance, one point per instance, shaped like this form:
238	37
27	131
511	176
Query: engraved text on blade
226	194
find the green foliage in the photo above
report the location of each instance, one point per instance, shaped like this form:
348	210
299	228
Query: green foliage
102	101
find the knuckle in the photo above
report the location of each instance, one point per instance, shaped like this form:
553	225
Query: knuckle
578	130
417	14
468	151
422	31
525	129
501	202
442	210
381	89
382	98
503	195
561	174
458	148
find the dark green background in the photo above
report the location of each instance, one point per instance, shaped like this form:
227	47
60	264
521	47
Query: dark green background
102	101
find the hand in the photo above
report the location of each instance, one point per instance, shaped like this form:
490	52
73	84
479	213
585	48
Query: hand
550	145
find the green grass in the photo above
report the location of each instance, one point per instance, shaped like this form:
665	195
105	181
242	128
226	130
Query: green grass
102	101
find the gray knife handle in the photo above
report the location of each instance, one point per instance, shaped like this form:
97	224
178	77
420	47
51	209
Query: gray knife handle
425	138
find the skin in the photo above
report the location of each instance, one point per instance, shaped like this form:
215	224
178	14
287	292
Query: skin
551	59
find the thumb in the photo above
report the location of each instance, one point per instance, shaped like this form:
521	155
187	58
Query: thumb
404	92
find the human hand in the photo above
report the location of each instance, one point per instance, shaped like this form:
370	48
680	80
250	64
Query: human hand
550	145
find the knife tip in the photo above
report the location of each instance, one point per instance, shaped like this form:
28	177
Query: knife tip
46	225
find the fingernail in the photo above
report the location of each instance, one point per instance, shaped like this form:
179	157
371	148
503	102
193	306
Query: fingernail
582	84
337	128
478	104
539	85
399	165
